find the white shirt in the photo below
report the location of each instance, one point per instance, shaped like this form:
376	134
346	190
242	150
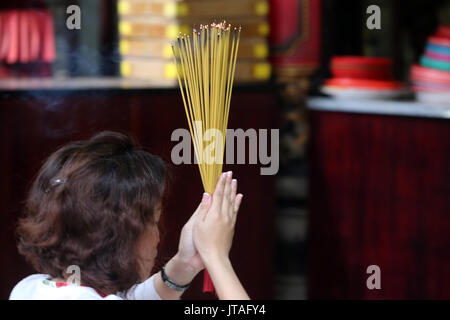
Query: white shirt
40	287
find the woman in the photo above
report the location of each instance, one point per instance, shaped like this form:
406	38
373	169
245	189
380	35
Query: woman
94	208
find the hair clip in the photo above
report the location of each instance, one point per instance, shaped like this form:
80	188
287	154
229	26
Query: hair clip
56	182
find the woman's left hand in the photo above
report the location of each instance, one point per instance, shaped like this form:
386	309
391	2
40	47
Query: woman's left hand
187	252
187	263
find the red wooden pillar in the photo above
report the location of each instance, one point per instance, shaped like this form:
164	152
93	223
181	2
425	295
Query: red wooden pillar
379	195
295	37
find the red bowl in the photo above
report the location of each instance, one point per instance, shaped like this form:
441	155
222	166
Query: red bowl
420	72
428	80
380	74
366	62
440	41
361	83
361	67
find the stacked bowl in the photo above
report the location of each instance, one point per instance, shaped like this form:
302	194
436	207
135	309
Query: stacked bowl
362	78
431	79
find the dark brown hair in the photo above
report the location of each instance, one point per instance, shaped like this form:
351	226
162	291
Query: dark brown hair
88	206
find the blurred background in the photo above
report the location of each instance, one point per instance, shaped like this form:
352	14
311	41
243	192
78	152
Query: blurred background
360	91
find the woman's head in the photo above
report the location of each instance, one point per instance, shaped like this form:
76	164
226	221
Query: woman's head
96	204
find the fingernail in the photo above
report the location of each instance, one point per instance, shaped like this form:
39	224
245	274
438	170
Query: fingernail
205	196
234	181
230	173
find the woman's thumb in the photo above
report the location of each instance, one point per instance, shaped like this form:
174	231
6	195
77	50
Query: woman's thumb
204	205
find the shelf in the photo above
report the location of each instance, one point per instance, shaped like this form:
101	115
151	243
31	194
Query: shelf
383	107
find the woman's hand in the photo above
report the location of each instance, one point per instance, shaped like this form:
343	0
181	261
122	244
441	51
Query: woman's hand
185	265
214	227
206	240
213	236
187	251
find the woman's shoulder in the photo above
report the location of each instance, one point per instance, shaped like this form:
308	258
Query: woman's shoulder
27	285
39	286
31	280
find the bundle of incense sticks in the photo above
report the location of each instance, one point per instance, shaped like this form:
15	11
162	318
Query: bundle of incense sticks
206	63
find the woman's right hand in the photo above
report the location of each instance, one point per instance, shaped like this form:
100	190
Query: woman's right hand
213	236
214	225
